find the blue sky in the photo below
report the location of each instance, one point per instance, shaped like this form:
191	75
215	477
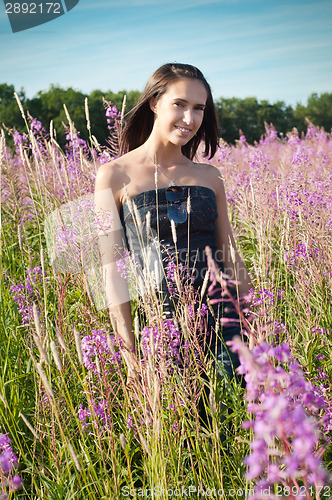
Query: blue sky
270	49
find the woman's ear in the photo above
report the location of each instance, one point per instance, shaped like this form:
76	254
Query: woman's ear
153	104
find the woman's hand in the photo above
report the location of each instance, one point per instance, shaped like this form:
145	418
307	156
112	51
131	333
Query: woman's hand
133	367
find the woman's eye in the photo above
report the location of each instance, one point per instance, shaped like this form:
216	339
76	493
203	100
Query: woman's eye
179	104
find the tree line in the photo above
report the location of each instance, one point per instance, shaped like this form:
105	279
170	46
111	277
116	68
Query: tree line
248	115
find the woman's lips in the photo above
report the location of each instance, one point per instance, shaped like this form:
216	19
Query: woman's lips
182	130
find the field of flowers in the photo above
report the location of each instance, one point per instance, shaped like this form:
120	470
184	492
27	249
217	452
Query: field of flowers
71	427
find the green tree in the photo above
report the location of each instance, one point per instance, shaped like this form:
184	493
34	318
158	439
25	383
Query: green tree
235	114
117	99
250	115
277	114
319	110
97	109
48	105
10	114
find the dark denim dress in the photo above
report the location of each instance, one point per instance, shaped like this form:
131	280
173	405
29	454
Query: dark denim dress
193	236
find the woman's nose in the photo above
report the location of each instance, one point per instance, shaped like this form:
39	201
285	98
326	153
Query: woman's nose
188	117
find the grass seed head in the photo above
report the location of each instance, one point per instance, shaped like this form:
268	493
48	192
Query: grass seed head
42	352
56	356
123	441
78	346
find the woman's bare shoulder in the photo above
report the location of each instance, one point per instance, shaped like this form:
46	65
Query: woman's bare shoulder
208	167
109	171
114	174
209	171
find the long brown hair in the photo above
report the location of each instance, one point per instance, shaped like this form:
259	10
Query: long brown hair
140	123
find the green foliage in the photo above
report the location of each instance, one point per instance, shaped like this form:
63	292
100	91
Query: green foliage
9	111
248	115
49	105
152	436
319	110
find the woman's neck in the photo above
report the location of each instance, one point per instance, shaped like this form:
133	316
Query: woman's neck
165	155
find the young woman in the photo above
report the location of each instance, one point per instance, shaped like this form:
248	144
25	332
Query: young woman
174	116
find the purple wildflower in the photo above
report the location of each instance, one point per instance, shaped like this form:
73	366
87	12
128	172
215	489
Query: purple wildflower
204	310
243	139
7	461
25	294
130	423
37	126
19	139
166	342
97	356
16	482
112	114
284	405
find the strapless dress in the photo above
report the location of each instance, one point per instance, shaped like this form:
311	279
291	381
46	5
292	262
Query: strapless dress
192	236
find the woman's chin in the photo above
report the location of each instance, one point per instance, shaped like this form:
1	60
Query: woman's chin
181	140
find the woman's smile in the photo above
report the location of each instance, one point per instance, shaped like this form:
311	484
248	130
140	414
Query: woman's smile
179	112
183	131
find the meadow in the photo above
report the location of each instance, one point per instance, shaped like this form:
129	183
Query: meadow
71	426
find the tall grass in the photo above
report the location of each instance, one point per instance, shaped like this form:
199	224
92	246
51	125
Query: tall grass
78	429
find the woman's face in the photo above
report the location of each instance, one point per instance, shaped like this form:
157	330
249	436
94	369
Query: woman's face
179	112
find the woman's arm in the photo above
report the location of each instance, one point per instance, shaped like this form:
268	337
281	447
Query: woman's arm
110	239
234	265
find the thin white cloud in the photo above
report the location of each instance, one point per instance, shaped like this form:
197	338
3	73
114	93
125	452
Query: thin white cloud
172	4
120	46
